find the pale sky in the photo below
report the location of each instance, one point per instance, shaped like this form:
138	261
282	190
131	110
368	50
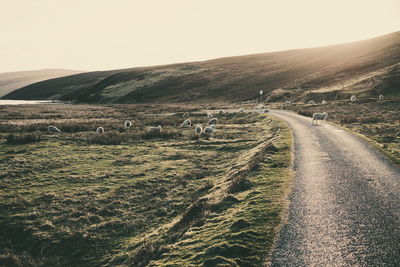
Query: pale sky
111	34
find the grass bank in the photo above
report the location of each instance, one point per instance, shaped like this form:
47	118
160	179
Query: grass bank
169	200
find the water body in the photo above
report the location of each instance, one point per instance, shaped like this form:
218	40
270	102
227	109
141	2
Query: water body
4	102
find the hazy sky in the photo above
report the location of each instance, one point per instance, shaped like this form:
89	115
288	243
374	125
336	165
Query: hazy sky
109	34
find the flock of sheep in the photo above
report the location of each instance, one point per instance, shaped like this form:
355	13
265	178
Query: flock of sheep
209	130
322	116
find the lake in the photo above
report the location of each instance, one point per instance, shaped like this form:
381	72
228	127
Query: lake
24	102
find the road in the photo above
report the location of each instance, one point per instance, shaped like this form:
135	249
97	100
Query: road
345	201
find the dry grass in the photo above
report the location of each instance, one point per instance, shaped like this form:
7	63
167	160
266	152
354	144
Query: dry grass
126	197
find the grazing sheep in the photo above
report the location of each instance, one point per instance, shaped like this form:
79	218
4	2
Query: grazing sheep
198	129
127	124
311	102
323	102
241	110
155	130
187	123
319	116
266	111
353	98
53	129
213	121
186	115
288	103
209	115
260	106
100	130
381	97
209	130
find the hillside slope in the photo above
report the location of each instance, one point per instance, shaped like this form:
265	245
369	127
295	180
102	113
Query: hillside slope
11	81
369	67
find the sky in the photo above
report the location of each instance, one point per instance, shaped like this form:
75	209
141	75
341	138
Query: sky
111	34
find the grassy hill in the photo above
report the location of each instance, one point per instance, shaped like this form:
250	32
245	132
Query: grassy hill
11	81
369	68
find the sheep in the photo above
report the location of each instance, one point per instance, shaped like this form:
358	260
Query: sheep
209	130
100	130
213	121
198	129
241	110
260	106
209	115
311	102
381	98
319	116
288	103
323	102
353	98
127	124
187	122
53	129
186	115
155	130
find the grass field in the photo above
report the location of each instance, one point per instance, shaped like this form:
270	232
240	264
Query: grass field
378	121
129	198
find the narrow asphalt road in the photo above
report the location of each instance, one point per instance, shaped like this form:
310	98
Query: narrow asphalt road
345	201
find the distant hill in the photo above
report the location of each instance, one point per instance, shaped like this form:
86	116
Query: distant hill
368	68
11	81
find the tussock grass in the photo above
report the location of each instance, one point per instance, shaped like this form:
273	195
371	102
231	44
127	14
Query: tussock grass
23	138
75	200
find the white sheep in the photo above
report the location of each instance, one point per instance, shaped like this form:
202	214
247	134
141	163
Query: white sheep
155	130
319	116
381	98
209	115
311	102
213	121
53	129
288	103
209	130
260	106
198	129
187	122
100	130
127	124
323	102
241	109
186	115
353	98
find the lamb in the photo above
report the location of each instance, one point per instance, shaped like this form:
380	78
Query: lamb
187	123
155	130
100	130
198	129
380	98
209	115
53	129
127	124
186	115
213	121
319	116
323	102
311	102
353	98
241	110
209	130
